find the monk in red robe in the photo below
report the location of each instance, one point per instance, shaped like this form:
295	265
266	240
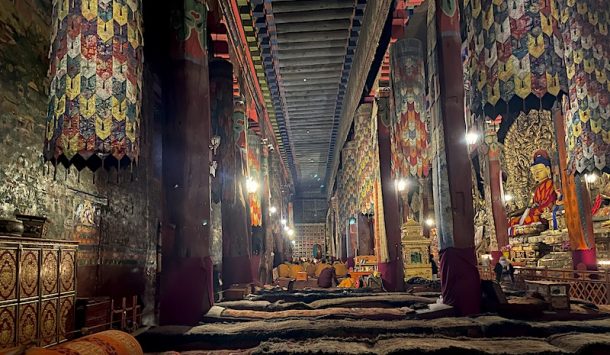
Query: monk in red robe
545	195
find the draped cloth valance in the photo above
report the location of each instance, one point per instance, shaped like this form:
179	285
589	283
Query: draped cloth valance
587	57
96	77
410	137
513	55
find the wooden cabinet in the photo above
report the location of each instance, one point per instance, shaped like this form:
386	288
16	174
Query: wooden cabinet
37	291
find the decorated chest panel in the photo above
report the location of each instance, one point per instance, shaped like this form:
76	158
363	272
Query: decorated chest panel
37	291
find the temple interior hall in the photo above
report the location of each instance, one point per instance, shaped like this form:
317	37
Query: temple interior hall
194	177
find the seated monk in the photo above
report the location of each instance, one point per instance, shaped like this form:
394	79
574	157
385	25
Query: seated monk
544	197
321	266
347	282
283	270
295	269
341	269
311	270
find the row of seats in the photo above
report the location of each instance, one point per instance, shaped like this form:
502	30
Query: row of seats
288	270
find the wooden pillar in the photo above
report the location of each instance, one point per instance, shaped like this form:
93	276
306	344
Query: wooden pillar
391	269
186	281
235	219
451	167
577	204
495	186
221	106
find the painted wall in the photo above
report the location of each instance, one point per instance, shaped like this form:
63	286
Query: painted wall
116	222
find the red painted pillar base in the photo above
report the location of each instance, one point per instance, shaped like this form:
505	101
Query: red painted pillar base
584	259
185	282
236	270
389	275
460	280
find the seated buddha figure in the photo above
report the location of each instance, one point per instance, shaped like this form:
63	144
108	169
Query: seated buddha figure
544	197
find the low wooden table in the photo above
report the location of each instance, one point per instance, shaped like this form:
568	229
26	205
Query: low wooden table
557	294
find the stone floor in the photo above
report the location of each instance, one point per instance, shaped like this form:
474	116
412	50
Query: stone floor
367	323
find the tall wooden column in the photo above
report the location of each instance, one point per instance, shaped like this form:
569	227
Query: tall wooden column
391	270
495	186
235	219
186	281
577	203
451	166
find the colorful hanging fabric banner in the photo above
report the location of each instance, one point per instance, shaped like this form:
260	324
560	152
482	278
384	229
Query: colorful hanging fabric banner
365	152
410	151
513	55
587	56
96	78
254	167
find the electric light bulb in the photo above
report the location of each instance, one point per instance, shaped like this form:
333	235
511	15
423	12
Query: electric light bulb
290	232
401	184
284	221
472	138
429	222
251	185
591	178
508	197
272	209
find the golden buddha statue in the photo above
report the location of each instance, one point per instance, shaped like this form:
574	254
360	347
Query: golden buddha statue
544	197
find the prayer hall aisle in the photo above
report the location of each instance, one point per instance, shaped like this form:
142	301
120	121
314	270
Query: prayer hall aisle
333	176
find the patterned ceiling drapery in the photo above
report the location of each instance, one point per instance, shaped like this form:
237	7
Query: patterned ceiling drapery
587	56
513	55
365	157
96	61
410	137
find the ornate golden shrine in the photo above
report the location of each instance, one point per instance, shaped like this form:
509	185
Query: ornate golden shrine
415	251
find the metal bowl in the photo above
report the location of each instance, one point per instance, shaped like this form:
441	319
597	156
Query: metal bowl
11	227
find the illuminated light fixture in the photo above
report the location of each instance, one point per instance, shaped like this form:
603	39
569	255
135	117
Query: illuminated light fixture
294	242
272	210
321	186
290	232
429	222
352	220
591	178
286	229
472	138
401	184
304	79
284	222
486	256
508	198
251	185
603	262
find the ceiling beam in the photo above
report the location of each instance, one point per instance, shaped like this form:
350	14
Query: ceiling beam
296	82
314	52
311	76
311	45
312	36
300	93
329	25
280	6
312	16
311	68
